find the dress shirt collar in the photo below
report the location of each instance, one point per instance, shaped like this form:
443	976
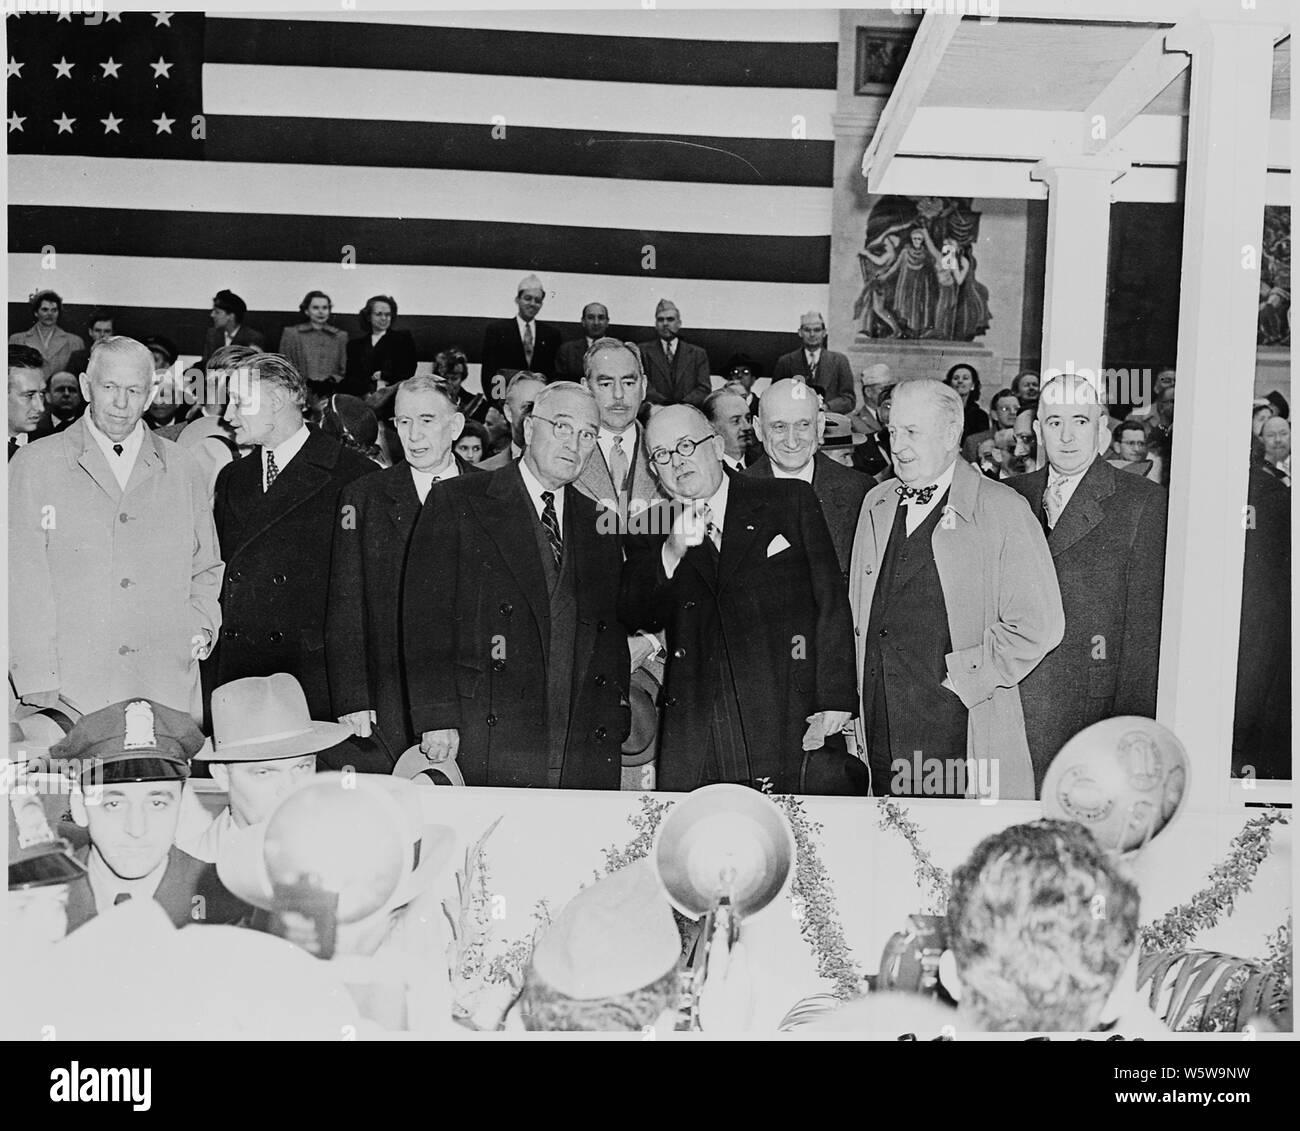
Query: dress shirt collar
918	512
424	480
736	465
120	465
805	473
106	885
812	356
534	487
523	326
287	449
1069	483
605	439
20	439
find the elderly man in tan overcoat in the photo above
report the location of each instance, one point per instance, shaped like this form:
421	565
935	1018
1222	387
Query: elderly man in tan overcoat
114	568
955	600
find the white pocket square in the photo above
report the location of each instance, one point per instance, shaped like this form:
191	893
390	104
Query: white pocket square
777	544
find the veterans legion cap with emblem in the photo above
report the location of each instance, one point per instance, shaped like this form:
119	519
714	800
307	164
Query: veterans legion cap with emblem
135	740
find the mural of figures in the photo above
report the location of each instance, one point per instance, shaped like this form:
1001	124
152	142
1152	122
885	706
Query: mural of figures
918	270
1275	278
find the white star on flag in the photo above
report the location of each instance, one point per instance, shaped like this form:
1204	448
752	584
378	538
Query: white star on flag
64	16
13	68
164	124
162	69
63	67
64	123
113	17
162	19
111	68
111	123
15	122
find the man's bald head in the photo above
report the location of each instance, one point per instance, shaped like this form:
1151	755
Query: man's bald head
791	421
694	476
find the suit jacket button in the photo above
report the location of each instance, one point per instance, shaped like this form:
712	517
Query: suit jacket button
670	701
857	632
491	720
689	605
279	579
679	653
601	681
498	665
507	609
235	576
884	632
124	518
230	633
276	637
869	569
124	650
600	626
125	583
600	732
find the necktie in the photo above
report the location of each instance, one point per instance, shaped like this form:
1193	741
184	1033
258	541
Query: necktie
271	470
711	528
528	342
921	494
121	897
1054	502
618	465
668	351
117	449
552	524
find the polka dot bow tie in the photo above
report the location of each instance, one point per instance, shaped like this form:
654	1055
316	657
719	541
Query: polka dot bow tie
921	494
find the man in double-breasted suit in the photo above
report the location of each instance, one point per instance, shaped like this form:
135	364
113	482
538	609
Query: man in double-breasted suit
677	372
277	510
363	644
791	425
515	661
114	567
742	575
1106	533
521	342
595	324
825	370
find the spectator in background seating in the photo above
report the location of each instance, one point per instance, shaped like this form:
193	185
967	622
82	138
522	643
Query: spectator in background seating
1165	379
55	345
168	404
1263	410
100	325
965	380
383	355
1128	450
26	394
595	325
1005	407
472	442
873	458
1276	438
453	367
318	350
1025	386
228	329
741	374
677	371
1024	453
521	390
1160	431
873	382
208	437
825	370
521	342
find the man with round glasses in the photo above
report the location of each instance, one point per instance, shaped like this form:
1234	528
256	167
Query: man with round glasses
516	664
742	574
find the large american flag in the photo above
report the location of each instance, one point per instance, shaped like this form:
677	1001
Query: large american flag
156	158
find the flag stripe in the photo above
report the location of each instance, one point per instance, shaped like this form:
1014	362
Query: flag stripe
375	95
436	194
480	51
758	25
552	152
446	291
434	243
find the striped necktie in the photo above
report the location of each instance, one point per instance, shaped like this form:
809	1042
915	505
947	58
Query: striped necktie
528	342
552	524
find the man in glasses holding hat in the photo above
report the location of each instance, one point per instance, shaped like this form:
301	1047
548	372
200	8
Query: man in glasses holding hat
264	744
134	759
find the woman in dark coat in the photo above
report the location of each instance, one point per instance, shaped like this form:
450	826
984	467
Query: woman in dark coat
965	381
382	355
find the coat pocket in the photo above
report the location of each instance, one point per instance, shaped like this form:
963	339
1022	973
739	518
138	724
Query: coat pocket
468	681
1102	679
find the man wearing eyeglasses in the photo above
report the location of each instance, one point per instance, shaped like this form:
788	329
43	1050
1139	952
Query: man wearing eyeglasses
742	574
516	663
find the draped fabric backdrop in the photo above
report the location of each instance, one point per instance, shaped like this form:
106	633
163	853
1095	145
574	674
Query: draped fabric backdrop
622	156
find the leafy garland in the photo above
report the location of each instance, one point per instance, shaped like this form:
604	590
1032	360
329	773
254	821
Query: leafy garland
894	818
815	907
1229	878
